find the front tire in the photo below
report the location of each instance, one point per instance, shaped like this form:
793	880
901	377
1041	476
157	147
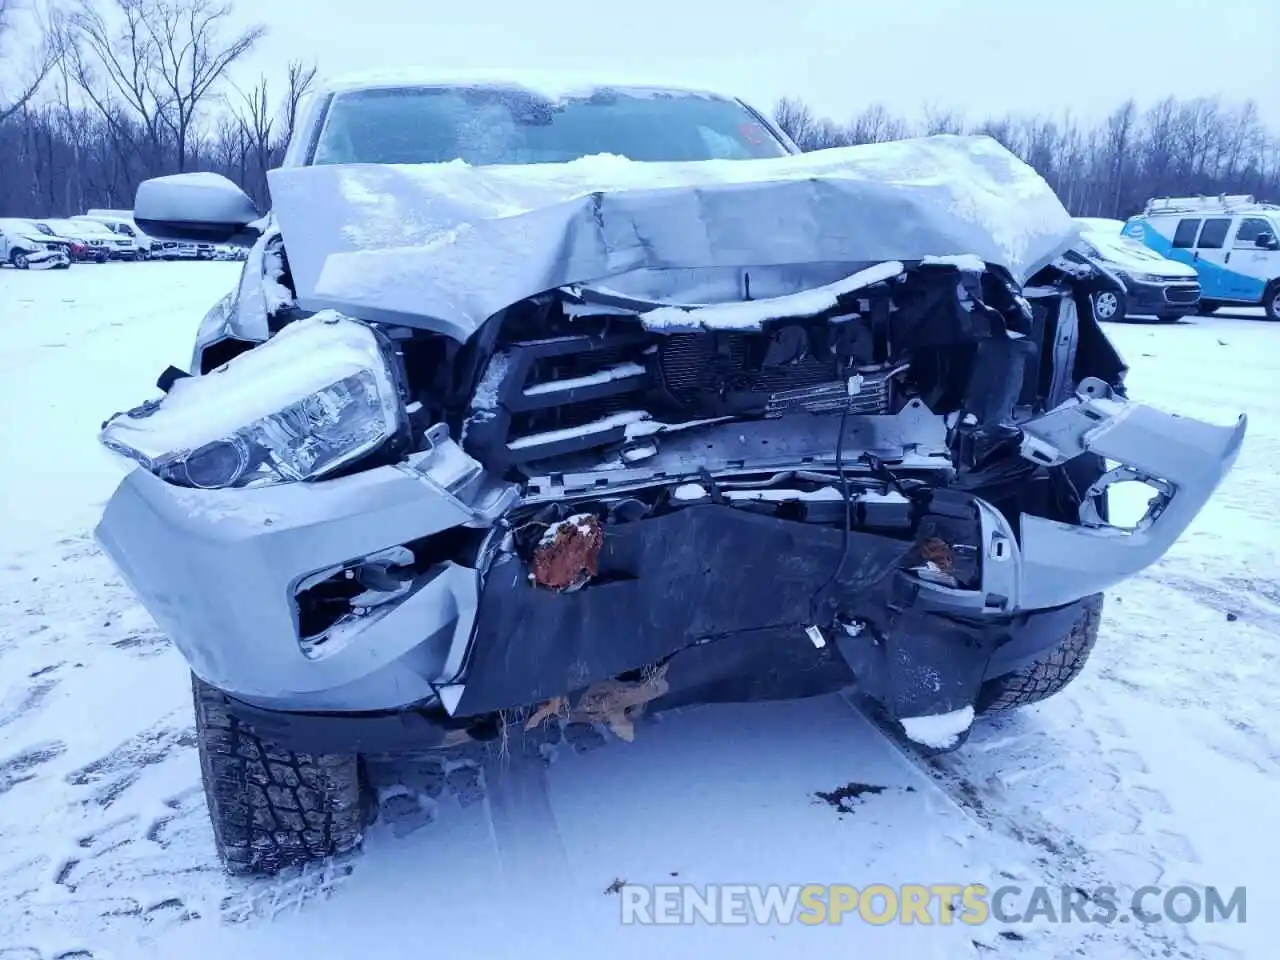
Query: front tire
1207	307
1108	305
1050	674
272	808
1271	301
19	260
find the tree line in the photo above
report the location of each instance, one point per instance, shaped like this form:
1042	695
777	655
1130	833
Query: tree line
1199	146
99	95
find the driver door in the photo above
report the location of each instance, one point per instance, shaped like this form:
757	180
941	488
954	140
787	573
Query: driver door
1210	260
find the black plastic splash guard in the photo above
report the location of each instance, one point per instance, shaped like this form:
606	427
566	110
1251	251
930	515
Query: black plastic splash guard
664	584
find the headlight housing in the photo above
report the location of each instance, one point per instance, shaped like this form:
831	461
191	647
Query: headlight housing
1132	277
319	396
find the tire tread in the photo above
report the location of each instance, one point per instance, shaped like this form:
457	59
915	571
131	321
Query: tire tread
1047	676
272	808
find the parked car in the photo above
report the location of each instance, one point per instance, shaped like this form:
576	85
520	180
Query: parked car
173	250
1147	284
1101	224
90	245
122	227
475	447
1233	242
23	245
185	250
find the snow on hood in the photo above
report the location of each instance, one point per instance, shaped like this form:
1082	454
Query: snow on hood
445	246
1128	254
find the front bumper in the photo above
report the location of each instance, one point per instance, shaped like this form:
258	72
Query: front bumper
218	571
47	258
1167	301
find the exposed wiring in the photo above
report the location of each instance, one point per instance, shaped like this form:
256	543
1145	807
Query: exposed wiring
815	600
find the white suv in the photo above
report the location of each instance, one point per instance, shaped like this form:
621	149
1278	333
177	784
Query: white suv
23	246
135	244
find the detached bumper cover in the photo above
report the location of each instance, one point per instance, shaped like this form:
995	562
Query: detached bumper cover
719	590
1183	460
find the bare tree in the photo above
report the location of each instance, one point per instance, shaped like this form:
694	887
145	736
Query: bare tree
876	125
1117	149
1004	131
796	120
193	56
942	120
36	66
256	123
161	59
266	129
301	78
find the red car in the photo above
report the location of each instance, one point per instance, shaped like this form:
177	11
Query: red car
83	246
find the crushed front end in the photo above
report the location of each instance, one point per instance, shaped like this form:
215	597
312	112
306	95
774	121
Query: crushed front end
371	536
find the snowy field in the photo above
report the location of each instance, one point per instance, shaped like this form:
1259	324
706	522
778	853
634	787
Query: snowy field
1161	765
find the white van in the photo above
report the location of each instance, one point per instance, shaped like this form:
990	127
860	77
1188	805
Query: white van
1149	285
122	226
1233	242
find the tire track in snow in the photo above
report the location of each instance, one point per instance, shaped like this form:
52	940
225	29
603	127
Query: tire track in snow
1074	796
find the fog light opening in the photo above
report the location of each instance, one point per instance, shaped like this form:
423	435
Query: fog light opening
1134	499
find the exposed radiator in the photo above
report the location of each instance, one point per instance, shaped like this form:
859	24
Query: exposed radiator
545	398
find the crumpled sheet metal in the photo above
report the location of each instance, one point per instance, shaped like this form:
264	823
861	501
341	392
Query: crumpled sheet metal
445	246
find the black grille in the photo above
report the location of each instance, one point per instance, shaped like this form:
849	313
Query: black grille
1182	293
532	389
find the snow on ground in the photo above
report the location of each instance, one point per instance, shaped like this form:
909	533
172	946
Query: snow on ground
1161	765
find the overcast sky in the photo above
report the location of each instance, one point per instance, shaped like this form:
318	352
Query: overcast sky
981	56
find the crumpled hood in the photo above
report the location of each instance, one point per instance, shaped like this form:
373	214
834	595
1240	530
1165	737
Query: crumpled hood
445	246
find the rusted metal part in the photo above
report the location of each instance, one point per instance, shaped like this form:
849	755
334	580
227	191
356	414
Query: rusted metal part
566	558
938	552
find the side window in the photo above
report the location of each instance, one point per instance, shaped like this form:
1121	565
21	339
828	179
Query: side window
1214	234
1184	237
1250	229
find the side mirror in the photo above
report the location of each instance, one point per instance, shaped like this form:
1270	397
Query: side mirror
201	207
1267	241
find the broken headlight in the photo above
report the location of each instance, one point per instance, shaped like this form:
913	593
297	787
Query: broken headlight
319	396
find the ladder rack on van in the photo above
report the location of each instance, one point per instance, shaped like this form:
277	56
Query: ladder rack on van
1223	203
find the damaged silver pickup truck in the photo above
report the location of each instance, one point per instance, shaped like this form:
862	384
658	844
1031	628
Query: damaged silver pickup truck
535	406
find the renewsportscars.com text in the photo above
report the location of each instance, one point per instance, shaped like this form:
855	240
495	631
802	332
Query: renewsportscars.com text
915	903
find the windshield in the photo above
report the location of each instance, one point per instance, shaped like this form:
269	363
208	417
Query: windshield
483	126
